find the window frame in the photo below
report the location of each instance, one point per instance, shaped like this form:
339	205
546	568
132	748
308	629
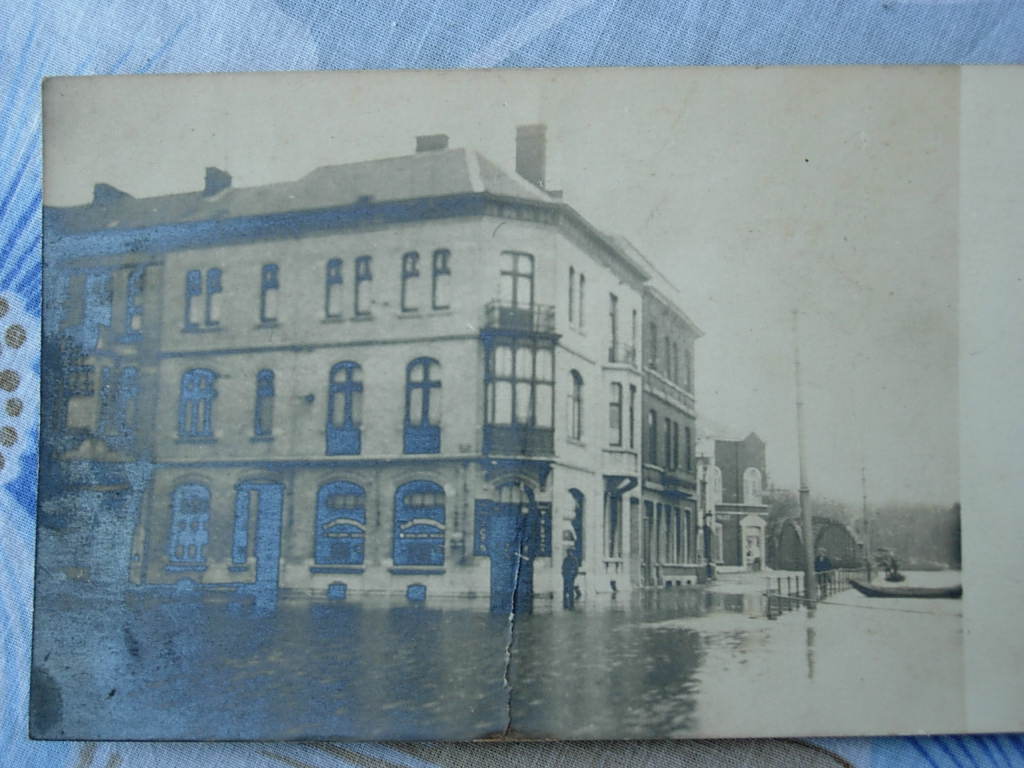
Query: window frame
364	274
615	404
196	393
410	271
269	281
419	533
349	520
422	434
263	422
344	438
334	282
440	274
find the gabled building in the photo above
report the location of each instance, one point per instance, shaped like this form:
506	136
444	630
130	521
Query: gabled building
386	378
734	475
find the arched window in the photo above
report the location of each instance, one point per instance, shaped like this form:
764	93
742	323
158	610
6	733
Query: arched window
190	514
195	405
263	413
422	406
333	285
419	524
340	524
715	485
751	485
576	407
345	409
268	293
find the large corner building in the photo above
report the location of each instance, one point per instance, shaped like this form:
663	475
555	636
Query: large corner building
421	376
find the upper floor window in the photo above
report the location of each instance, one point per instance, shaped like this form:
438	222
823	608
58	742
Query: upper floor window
119	390
344	409
675	363
133	307
263	415
652	351
615	415
517	279
667	347
340	524
652	437
613	324
632	415
422	406
202	308
572	295
520	383
669	453
751	485
268	293
440	277
689	448
581	319
419	524
576	406
195	407
333	286
410	279
190	515
364	281
688	372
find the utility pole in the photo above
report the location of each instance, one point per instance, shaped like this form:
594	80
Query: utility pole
810	582
864	516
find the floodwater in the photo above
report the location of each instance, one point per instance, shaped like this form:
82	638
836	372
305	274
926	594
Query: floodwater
669	663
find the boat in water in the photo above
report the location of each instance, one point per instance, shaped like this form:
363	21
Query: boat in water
875	590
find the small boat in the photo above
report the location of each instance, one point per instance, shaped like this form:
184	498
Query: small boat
895	576
872	590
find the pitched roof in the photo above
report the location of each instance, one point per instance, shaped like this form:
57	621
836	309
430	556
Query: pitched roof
424	174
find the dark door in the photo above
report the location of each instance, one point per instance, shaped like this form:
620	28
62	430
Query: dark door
269	500
512	542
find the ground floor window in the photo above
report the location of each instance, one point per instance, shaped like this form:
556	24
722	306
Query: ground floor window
419	524
340	524
190	507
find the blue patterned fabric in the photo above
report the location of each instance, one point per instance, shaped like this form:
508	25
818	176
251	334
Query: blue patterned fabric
69	37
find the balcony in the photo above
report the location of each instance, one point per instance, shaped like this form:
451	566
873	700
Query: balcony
624	354
518	440
505	316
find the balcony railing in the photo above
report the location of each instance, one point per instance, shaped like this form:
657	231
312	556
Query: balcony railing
534	318
622	353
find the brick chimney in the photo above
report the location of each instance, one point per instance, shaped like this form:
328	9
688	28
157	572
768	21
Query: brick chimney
216	181
531	150
432	143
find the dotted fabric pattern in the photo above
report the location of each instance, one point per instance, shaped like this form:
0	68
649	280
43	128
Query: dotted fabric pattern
67	37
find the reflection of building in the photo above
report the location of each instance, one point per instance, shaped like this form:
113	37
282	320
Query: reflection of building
388	377
734	475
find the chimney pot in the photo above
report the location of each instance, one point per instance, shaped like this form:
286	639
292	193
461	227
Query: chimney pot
531	150
432	143
216	181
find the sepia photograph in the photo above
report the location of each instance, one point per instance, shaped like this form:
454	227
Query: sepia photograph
522	404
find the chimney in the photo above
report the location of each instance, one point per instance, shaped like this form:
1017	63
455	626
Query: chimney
531	145
216	181
432	143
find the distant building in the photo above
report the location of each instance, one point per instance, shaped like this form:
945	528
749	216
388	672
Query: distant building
416	376
734	475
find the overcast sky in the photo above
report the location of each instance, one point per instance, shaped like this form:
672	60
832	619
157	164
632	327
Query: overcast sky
756	191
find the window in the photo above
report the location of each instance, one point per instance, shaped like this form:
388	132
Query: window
652	437
268	294
340	533
344	409
202	313
613	326
576	407
119	389
195	407
668	443
332	289
666	346
441	271
410	276
572	295
633	328
675	445
751	485
190	515
689	369
675	363
689	449
263	413
615	415
652	353
520	385
422	406
364	278
582	301
632	415
419	524
517	279
613	527
133	309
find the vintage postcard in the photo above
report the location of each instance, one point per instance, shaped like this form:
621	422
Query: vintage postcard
501	404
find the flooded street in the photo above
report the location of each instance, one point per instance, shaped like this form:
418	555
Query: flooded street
658	664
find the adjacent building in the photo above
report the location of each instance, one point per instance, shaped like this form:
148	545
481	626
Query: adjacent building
421	376
734	475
